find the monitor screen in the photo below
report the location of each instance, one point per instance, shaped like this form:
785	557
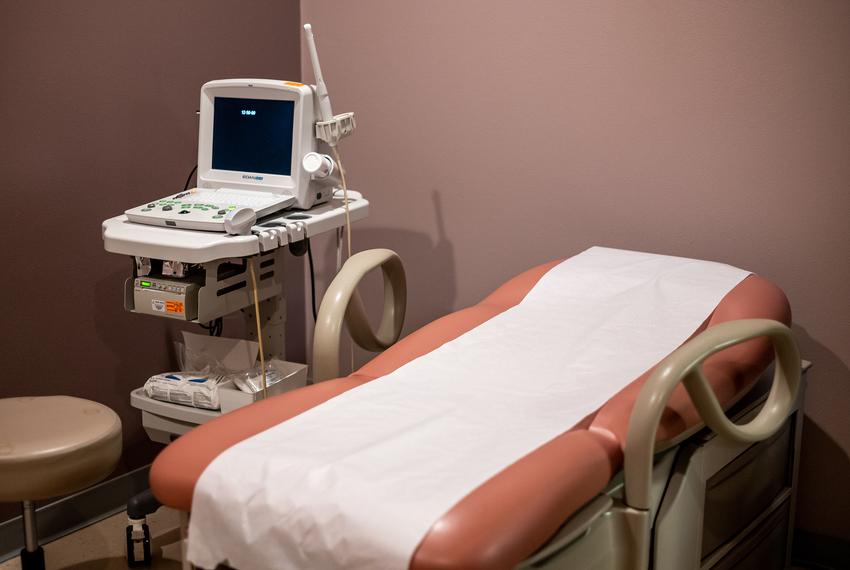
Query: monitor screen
253	135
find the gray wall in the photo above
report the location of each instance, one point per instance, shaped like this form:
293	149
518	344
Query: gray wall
97	114
493	136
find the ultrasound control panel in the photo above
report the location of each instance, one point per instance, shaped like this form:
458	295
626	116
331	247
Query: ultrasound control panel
202	209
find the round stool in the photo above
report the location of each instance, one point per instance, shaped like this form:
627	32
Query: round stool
50	446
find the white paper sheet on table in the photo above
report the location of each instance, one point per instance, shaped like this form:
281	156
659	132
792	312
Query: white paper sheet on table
358	481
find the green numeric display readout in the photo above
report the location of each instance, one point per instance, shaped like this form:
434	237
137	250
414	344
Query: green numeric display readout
145	283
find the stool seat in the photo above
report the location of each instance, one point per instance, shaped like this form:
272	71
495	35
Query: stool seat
54	445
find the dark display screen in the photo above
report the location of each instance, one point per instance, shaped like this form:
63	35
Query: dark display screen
253	135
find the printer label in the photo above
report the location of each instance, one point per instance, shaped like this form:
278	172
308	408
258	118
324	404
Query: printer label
158	305
174	307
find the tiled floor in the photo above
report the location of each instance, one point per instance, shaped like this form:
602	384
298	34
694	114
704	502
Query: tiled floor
101	545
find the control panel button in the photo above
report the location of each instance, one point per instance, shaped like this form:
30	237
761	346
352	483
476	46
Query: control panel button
167	208
183	212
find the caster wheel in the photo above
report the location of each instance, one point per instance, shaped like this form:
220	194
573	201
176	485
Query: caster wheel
134	541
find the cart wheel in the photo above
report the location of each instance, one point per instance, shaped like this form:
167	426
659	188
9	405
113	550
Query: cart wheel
134	541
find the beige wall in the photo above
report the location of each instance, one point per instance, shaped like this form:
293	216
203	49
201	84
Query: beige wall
497	135
97	113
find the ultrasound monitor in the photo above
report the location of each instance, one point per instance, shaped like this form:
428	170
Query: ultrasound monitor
253	135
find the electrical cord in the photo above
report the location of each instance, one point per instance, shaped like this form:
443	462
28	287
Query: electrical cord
298	249
338	159
189	179
259	328
312	277
214	327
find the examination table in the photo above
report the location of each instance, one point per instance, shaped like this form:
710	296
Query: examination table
604	494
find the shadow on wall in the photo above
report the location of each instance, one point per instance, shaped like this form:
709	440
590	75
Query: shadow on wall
429	266
824	465
297	295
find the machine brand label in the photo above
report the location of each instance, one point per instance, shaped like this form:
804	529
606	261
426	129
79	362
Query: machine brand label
158	305
252	177
174	307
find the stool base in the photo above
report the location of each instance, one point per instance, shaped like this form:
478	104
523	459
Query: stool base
32	560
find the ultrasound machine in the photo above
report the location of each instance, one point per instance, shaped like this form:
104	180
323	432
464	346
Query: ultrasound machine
265	183
269	178
254	137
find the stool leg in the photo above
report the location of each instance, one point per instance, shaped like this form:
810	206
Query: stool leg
32	555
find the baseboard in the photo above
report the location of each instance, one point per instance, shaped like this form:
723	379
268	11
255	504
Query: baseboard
74	512
820	552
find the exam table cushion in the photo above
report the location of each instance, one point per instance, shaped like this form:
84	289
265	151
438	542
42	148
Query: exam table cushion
731	372
513	513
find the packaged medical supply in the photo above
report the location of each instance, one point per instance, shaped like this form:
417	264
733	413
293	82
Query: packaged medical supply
187	388
251	380
203	361
286	376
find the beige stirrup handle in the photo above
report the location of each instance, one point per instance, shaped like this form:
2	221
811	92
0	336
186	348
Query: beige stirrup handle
684	365
342	303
